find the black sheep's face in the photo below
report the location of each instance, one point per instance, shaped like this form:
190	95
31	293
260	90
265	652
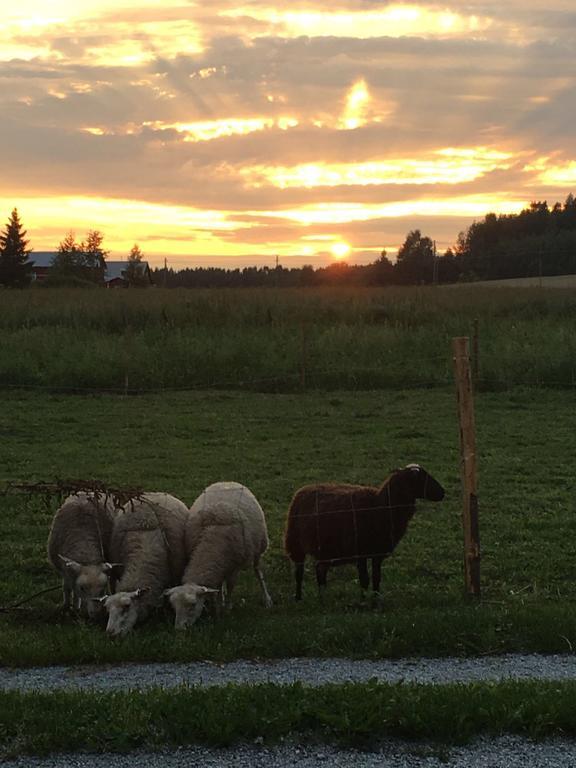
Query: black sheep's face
423	484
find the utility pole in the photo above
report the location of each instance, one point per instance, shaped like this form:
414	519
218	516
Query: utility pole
165	272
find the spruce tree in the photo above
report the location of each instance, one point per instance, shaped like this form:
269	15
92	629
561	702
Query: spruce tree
134	274
94	256
84	262
67	263
15	269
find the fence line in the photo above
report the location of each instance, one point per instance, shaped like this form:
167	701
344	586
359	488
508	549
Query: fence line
483	383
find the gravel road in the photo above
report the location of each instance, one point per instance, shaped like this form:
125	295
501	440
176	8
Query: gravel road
504	752
507	751
285	671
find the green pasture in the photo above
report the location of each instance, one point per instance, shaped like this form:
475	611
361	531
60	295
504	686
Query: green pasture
282	340
354	715
182	441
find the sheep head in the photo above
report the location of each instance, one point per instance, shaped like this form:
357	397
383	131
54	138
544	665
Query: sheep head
423	485
123	610
188	600
87	582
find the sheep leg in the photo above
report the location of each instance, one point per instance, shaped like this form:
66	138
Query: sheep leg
82	608
376	574
230	584
363	577
299	574
321	573
66	597
218	603
260	576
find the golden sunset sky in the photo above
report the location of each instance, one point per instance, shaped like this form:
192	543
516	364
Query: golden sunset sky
231	133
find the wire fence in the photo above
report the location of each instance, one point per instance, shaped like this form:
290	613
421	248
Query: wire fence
58	488
332	379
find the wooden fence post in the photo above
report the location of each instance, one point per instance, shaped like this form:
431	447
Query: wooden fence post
476	352
460	348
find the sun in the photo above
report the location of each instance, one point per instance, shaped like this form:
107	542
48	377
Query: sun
340	250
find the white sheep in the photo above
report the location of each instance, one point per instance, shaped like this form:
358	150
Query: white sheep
78	548
225	533
148	540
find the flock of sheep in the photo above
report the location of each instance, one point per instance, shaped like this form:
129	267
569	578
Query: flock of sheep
125	561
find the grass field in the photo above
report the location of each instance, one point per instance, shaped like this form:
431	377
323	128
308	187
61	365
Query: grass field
181	442
275	390
356	715
282	340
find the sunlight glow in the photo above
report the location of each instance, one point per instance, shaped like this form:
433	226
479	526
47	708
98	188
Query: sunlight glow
392	21
357	101
561	175
232	126
446	166
342	213
159	229
340	250
101	44
66	10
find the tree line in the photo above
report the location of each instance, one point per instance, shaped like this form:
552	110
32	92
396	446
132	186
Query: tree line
538	241
74	263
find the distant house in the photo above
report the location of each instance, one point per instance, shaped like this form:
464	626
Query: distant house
114	277
41	263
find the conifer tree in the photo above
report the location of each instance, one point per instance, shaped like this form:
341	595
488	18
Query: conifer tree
85	261
67	263
134	274
94	256
15	269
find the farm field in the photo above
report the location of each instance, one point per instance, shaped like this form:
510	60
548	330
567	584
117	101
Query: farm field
548	281
275	389
282	340
182	441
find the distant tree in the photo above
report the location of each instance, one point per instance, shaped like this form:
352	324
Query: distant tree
415	262
537	241
381	272
94	256
135	274
67	264
449	267
308	275
15	269
79	262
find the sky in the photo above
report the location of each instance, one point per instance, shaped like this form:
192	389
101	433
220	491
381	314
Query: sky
235	133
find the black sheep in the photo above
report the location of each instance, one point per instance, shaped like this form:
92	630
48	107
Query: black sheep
339	523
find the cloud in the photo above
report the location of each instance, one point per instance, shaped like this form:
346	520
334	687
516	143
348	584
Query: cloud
265	113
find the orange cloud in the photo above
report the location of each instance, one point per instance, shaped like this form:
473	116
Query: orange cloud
446	166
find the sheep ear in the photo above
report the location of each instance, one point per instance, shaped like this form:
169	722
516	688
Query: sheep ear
100	600
208	590
110	567
71	564
141	591
168	592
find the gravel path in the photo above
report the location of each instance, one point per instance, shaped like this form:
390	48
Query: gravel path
507	751
285	671
504	752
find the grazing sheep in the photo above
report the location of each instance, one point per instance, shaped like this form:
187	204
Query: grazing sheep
148	540
338	523
225	533
78	548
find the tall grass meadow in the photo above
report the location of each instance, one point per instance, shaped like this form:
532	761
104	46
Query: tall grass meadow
282	340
